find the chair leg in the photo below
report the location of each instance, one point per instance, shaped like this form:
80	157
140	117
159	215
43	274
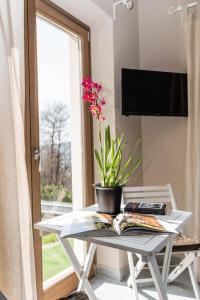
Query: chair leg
182	266
187	263
194	281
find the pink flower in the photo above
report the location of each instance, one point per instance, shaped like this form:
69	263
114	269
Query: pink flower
93	97
97	86
93	110
87	83
103	101
99	108
92	94
86	97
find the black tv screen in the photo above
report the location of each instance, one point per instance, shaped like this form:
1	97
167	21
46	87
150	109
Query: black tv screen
153	93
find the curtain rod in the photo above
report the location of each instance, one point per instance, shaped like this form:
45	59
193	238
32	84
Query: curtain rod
173	10
128	3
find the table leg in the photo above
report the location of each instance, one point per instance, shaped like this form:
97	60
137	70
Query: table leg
138	268
87	265
81	273
157	278
132	275
166	263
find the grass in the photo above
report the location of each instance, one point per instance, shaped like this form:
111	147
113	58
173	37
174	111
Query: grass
50	238
54	258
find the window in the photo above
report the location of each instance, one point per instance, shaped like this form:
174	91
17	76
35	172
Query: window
58	135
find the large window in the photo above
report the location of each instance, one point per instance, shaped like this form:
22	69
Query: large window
59	139
55	100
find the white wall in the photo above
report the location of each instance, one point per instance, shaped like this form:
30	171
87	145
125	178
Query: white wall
161	44
126	55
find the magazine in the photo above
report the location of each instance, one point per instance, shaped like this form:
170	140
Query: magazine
93	224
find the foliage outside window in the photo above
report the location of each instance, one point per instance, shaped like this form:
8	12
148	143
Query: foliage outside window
55	154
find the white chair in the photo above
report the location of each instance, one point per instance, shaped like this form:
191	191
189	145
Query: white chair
182	244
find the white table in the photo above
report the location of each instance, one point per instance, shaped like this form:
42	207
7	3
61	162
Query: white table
146	246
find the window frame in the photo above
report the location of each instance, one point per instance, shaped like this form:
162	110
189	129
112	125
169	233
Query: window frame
60	17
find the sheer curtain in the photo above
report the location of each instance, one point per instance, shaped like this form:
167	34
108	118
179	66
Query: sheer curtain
192	200
17	277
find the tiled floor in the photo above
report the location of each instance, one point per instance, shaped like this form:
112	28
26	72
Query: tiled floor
106	289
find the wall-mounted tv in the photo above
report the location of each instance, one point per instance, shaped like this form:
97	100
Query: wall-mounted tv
153	93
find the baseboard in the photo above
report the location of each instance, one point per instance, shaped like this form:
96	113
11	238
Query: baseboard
111	273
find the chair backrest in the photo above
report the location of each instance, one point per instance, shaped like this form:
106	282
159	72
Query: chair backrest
150	194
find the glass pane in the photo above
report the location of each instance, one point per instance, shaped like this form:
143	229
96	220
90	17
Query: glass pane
56	83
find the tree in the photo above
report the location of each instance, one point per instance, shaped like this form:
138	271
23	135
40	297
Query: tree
55	144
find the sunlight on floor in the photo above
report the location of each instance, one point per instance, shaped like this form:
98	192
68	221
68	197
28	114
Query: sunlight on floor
107	289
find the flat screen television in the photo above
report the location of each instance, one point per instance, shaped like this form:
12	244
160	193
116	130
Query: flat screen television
153	93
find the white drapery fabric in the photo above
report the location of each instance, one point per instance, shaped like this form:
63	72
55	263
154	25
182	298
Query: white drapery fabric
17	271
192	184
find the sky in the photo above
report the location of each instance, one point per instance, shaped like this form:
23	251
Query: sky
53	59
53	62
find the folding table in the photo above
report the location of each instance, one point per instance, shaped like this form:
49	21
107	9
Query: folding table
147	246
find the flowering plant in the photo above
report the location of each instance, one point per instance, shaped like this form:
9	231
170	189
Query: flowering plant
113	172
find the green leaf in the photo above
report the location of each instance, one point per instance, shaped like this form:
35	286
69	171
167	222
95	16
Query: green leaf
112	149
130	172
99	162
115	156
110	160
127	164
117	173
119	156
107	146
108	139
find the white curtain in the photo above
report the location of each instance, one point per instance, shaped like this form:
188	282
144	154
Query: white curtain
17	275
192	200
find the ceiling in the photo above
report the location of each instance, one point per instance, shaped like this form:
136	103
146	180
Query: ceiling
106	5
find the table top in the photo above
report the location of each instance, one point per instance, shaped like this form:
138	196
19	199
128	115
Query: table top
144	244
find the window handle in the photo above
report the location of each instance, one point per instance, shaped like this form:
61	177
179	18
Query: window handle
36	154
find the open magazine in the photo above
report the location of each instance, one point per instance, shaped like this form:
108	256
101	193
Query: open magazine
92	224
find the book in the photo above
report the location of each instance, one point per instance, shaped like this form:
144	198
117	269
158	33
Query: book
146	208
91	224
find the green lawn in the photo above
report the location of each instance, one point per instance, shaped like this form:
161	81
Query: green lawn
50	238
54	259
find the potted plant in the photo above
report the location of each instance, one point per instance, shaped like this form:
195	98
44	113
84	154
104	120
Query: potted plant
114	172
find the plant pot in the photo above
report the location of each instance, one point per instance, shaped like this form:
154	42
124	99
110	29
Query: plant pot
108	199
